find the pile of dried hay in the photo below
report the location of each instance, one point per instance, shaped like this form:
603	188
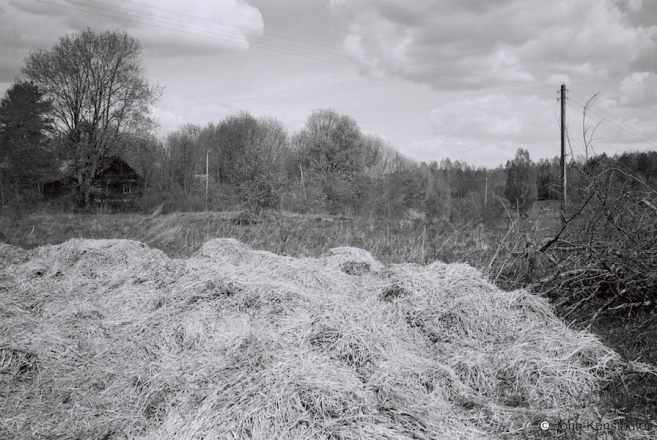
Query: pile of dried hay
12	255
110	339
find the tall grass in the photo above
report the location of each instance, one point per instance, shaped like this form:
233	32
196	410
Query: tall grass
179	235
495	249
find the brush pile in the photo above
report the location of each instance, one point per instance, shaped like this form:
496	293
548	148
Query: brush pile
109	339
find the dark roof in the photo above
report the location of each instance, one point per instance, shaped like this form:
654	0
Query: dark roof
115	169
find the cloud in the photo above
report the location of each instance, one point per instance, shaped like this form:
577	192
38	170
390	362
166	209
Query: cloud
486	129
557	79
196	26
638	89
472	151
369	34
495	116
172	27
512	40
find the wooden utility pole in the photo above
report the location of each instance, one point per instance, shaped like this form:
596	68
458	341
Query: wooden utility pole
207	177
563	154
485	199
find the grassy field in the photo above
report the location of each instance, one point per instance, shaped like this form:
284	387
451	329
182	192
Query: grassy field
180	235
494	249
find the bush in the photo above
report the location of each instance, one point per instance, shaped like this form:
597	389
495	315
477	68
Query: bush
258	194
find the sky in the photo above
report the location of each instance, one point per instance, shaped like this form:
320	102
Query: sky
468	80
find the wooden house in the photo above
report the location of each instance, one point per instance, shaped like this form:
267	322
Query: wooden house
116	184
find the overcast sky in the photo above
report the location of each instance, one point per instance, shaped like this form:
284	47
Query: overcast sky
472	80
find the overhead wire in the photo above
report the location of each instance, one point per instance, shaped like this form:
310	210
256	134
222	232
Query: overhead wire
274	47
333	49
234	37
601	110
634	133
606	118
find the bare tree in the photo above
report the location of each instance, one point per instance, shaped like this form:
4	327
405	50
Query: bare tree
253	153
98	91
185	155
331	144
380	157
146	154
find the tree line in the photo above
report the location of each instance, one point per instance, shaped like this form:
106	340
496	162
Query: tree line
87	99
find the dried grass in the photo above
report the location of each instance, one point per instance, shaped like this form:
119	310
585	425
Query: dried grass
110	339
12	255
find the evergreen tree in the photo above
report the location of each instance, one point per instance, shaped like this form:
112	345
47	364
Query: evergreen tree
644	165
25	149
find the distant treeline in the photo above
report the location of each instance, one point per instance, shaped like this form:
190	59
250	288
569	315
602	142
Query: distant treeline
253	163
79	109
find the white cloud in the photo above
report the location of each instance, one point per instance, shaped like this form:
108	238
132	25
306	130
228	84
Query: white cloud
387	41
336	4
475	152
513	40
198	25
638	89
635	5
491	116
195	26
507	66
594	31
558	79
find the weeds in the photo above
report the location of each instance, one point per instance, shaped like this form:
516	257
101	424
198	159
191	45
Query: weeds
181	234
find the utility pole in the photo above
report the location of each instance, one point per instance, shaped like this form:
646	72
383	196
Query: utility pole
563	154
207	177
485	199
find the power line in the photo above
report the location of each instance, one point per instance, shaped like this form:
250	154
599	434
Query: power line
332	49
604	120
601	110
605	115
226	36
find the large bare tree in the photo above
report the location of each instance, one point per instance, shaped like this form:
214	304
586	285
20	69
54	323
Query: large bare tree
98	91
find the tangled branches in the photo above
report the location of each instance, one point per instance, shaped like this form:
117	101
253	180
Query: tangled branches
605	255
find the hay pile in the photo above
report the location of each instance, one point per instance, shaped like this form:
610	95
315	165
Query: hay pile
109	339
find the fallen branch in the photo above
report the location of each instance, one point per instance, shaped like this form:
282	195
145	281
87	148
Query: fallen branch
626	306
